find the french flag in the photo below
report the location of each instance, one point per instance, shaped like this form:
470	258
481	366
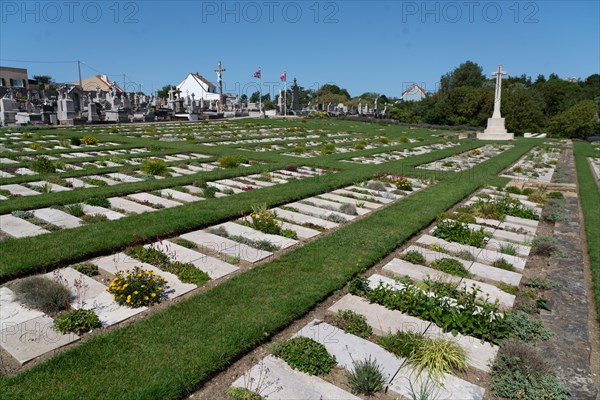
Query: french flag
257	74
283	77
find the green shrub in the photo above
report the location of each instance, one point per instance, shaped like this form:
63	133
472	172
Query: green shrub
89	140
185	243
439	356
75	141
349	209
305	355
366	377
450	266
455	231
94	218
43	165
77	321
513	190
75	210
375	185
264	220
544	245
154	166
257	244
526	328
499	207
414	256
402	344
209	192
95	182
138	288
98	201
520	372
503	264
240	393
353	323
232	161
514	290
86	269
288	233
508	248
42	293
541	283
556	211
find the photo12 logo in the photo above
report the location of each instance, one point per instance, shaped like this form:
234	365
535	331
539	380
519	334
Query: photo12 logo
470	11
269	12
53	12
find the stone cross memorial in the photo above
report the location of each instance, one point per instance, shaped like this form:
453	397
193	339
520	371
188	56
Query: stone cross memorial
495	127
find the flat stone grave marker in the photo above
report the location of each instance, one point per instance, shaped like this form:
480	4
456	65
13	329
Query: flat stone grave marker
129	206
154	199
19	190
299	218
18	227
58	218
214	243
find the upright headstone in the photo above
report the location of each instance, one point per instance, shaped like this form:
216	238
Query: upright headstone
93	112
65	110
495	127
8	109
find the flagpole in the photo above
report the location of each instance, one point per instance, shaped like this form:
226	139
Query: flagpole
260	90
285	95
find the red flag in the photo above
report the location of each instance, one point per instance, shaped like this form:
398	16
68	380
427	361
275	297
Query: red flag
283	77
257	74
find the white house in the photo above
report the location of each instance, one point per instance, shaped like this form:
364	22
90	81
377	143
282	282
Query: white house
414	93
199	86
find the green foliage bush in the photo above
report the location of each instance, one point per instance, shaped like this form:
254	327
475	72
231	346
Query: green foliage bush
520	372
94	218
98	201
526	328
500	207
541	283
450	266
353	323
503	264
87	269
42	293
240	393
154	166
414	256
76	321
138	288
367	377
89	140
75	210
232	161
455	231
75	141
543	245
402	344
42	165
306	355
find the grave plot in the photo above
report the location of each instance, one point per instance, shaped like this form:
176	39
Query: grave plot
36	222
99	293
453	287
538	165
49	164
595	165
85	154
380	158
468	159
314	149
56	144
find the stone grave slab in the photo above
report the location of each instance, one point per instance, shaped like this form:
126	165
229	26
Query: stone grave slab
480	270
110	214
347	348
4	160
78	183
398	267
154	199
182	171
221	187
245	231
368	197
109	182
4	174
319	212
33	338
299	218
328	203
122	261
14	313
123	178
284	383
54	188
302	232
342	199
209	242
19	190
58	218
108	311
18	227
180	196
91	287
214	267
129	206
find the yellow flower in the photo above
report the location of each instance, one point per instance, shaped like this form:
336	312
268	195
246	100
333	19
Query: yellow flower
153	295
136	292
139	275
145	297
159	288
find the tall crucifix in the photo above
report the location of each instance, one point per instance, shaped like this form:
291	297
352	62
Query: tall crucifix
219	72
498	74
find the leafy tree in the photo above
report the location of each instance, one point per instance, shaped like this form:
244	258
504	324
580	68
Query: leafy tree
466	74
255	97
43	79
244	98
164	92
579	121
330	89
523	110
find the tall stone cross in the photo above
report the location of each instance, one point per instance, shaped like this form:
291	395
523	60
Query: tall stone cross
219	72
498	74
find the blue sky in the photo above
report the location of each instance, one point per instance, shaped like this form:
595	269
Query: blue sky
379	46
